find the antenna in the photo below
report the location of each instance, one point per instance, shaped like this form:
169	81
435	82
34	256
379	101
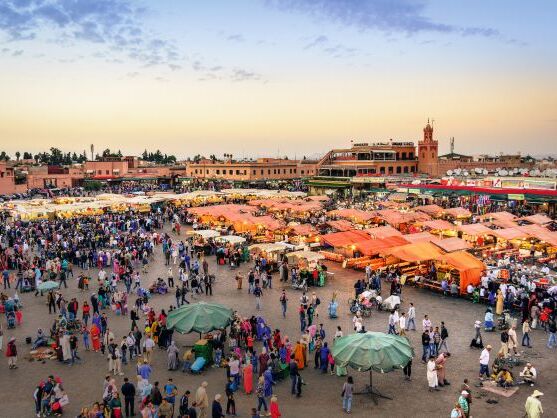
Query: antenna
452	145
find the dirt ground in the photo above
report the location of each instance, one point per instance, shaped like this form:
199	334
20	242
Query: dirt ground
321	396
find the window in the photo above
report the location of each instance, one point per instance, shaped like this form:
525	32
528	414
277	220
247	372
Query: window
290	171
254	172
399	170
196	171
230	172
432	155
412	169
284	171
302	171
410	155
423	154
274	171
99	172
391	170
218	171
245	172
406	169
261	172
237	172
269	171
206	171
295	170
382	170
107	172
404	156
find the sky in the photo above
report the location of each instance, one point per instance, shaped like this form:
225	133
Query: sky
276	77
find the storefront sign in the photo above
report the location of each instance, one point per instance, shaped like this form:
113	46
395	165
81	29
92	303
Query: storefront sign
515	197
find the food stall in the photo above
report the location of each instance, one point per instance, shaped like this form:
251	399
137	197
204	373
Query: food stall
439	228
462	267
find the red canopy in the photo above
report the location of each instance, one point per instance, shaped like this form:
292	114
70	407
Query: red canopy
343	239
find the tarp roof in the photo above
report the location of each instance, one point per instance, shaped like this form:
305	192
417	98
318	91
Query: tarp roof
432	210
420	237
452	244
395	217
539	232
538	218
422	251
474	229
353	214
439	224
341	225
462	260
458	212
504	216
376	246
303	229
510	233
503	223
342	239
383	232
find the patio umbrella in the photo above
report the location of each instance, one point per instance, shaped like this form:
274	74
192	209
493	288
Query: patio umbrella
372	351
199	317
48	285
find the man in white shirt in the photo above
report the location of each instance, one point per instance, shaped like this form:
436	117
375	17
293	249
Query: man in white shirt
426	324
402	323
101	275
484	362
148	344
411	317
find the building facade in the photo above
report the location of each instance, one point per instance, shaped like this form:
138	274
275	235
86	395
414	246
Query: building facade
258	170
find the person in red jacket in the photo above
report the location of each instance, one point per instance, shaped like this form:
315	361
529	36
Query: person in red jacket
11	353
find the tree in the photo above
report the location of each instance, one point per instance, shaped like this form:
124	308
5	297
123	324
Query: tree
106	153
17	155
4	156
197	158
27	156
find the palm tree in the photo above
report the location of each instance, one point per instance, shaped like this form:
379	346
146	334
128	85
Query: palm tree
17	155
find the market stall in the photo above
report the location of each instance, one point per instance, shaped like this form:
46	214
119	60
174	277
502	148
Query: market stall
463	268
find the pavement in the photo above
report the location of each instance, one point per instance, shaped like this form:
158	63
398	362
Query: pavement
322	394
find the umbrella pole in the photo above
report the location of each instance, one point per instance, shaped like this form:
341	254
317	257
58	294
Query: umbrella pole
374	394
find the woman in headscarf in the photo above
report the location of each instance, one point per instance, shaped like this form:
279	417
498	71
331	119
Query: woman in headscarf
248	378
263	359
172	356
269	382
95	337
299	355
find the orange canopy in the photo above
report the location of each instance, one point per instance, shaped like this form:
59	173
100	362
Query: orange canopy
303	229
432	210
439	225
343	239
538	219
341	225
376	246
395	217
352	214
500	216
539	232
474	229
458	212
504	223
383	232
469	267
452	244
509	233
422	251
420	237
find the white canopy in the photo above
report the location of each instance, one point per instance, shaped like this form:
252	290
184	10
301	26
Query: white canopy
232	239
268	248
308	255
205	233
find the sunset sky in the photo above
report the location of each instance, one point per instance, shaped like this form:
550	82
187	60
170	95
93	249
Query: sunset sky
276	77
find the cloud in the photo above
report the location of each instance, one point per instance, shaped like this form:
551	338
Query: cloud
236	37
335	50
116	24
239	74
406	16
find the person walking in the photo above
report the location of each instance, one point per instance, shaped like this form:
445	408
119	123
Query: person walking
202	400
552	340
283	303
347	392
11	353
526	334
257	292
484	362
411	318
128	391
533	405
444	337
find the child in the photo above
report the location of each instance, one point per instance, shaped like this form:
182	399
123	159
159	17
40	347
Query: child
274	408
218	357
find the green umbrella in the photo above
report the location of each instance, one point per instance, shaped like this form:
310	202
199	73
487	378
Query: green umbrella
199	317
373	351
48	285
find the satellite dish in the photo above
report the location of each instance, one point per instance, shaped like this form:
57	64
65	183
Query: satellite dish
449	172
466	174
504	172
485	172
